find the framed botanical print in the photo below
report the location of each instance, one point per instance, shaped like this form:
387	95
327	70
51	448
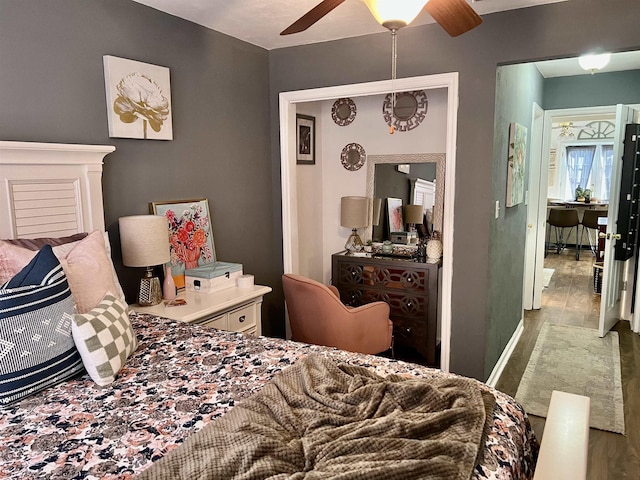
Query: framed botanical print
138	99
305	139
190	236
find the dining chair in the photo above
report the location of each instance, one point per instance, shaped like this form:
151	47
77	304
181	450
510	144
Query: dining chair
562	219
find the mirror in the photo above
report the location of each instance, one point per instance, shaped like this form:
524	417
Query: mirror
353	156
406	106
436	158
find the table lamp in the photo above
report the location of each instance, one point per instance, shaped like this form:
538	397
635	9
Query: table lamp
413	216
354	214
145	243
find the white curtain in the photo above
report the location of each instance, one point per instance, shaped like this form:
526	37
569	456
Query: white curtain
587	166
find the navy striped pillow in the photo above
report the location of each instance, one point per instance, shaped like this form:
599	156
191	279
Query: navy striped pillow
36	346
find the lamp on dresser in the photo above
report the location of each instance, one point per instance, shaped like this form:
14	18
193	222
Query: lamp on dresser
413	216
354	214
145	243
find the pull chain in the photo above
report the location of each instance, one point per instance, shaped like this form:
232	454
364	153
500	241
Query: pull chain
394	61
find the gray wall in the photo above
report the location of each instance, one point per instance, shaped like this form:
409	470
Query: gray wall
226	146
535	33
52	90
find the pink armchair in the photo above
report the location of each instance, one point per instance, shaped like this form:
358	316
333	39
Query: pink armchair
317	316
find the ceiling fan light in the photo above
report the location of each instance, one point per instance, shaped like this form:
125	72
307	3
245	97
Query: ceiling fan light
395	14
593	62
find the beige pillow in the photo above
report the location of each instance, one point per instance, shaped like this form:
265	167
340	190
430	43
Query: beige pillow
86	263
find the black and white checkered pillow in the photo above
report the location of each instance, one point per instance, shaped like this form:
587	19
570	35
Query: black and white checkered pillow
105	339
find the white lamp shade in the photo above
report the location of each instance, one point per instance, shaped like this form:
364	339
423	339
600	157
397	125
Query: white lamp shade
413	214
398	13
354	212
144	240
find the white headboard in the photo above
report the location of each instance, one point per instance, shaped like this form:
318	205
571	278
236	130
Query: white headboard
50	189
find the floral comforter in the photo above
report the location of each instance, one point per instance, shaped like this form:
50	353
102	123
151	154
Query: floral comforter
179	379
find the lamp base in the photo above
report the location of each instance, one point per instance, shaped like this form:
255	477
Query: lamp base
354	242
150	292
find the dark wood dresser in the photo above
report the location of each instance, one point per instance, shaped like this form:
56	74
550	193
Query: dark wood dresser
411	290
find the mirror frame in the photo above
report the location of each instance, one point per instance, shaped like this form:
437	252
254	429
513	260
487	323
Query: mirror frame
437	158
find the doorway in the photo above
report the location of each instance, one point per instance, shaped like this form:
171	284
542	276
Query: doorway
291	245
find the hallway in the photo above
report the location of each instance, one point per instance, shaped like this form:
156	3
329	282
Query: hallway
570	300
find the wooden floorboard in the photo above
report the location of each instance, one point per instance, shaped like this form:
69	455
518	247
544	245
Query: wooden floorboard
570	300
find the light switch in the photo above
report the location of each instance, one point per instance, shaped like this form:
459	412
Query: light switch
497	209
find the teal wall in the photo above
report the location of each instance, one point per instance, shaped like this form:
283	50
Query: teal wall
517	88
594	90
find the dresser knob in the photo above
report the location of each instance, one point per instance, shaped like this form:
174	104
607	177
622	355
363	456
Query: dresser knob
242	319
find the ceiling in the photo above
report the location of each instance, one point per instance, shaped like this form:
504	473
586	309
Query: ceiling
262	21
569	66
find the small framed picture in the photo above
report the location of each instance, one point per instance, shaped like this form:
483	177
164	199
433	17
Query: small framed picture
305	139
394	210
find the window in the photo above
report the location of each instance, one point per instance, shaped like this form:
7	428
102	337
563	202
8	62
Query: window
587	166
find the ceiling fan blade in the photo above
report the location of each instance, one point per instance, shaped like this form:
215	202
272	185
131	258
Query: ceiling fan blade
455	16
311	17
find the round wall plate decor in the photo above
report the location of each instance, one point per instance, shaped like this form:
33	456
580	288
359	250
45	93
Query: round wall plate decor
353	156
343	111
408	112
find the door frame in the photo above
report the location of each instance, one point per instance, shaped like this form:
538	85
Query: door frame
287	104
539	228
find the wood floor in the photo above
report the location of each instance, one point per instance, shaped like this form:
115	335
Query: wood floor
570	300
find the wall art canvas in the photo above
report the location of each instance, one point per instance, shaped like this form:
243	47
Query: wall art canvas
138	99
516	164
190	236
394	210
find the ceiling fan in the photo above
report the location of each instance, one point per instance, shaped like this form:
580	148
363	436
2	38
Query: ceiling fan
455	16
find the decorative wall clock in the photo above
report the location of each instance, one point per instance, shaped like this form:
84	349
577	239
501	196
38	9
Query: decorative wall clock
353	156
408	112
343	111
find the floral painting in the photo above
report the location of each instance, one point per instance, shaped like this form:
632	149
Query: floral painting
516	167
138	99
190	237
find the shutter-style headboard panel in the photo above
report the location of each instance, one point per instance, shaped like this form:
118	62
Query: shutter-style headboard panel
50	190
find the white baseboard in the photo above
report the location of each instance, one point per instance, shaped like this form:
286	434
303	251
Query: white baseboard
506	355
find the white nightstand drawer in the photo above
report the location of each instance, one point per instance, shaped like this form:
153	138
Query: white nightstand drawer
219	322
242	319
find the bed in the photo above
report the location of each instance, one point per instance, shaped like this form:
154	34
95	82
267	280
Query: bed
181	379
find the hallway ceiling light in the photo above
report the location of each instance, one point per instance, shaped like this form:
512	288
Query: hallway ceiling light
594	62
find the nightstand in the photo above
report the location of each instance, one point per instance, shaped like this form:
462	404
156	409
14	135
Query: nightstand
235	309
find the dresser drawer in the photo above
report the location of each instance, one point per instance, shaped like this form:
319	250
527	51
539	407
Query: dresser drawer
242	319
219	322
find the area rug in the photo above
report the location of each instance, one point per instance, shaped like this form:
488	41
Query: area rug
547	273
575	360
